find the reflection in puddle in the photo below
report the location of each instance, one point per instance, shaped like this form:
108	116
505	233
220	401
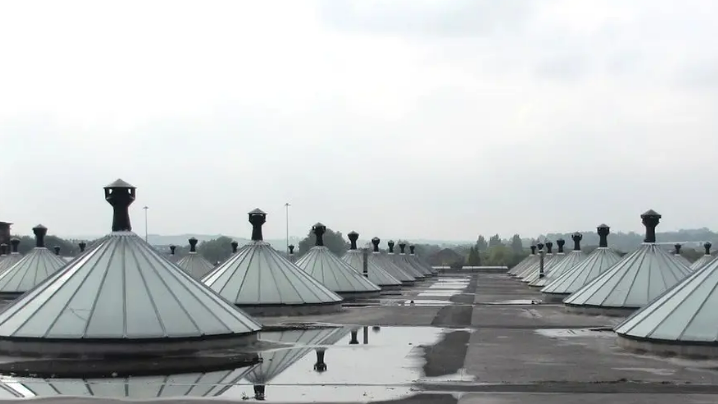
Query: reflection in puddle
575	332
315	365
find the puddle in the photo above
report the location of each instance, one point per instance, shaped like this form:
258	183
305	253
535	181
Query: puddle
311	365
575	332
520	302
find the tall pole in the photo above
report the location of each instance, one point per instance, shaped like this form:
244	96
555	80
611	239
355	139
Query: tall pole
145	208
286	206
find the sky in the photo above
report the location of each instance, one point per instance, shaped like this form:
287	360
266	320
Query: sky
415	119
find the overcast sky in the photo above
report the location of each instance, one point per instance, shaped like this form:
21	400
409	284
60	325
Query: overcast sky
431	119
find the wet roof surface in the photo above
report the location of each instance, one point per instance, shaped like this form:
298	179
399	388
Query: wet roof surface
450	352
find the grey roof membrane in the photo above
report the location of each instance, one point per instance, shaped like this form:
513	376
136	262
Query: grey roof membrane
567	262
685	313
404	266
121	288
334	273
377	274
702	261
553	260
195	265
300	343
33	268
573	279
632	282
258	275
384	262
209	384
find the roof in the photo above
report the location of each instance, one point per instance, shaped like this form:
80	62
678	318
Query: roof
632	282
195	265
334	273
258	275
33	268
300	343
376	273
209	384
573	279
685	313
567	262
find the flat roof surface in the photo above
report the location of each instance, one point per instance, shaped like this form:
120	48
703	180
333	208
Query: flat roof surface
500	345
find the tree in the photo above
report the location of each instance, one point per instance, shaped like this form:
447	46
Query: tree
67	248
517	246
481	244
499	255
474	258
495	240
333	240
218	249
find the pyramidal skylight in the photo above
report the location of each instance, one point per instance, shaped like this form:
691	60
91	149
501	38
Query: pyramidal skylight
681	321
402	257
12	258
402	264
530	259
374	273
569	261
121	297
384	262
533	272
193	263
415	259
33	268
632	282
705	259
584	272
679	257
260	280
338	276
